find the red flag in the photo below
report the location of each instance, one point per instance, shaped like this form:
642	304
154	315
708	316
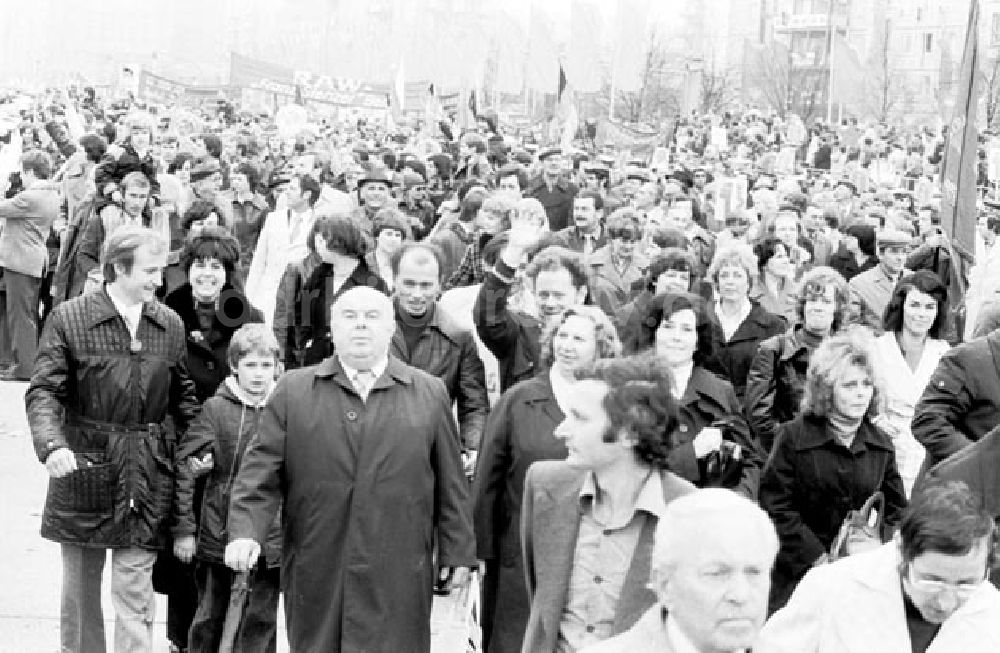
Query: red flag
958	176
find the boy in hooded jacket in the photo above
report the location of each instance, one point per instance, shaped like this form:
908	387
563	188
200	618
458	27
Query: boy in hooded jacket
221	433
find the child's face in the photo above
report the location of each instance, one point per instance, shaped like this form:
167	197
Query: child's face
255	373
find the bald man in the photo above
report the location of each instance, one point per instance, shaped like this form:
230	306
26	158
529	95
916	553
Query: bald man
362	454
711	571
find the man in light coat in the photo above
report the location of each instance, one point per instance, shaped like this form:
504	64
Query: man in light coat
362	454
27	220
282	242
925	591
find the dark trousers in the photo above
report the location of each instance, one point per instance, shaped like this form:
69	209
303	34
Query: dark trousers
22	319
258	629
182	602
6	342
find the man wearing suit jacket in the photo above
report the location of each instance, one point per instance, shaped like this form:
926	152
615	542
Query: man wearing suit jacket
588	522
586	235
27	220
961	403
711	571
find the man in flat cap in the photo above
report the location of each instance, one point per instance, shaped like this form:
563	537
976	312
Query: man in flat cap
873	288
552	190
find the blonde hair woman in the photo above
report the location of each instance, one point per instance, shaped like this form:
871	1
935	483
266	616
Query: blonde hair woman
519	432
830	459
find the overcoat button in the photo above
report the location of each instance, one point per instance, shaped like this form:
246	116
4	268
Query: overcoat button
684	428
351	415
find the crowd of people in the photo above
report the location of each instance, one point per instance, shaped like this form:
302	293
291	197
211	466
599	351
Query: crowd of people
357	363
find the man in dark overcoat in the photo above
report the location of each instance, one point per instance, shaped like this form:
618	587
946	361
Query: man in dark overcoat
363	452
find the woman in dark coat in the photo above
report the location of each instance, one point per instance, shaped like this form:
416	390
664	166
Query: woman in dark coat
211	309
678	328
342	246
738	324
856	253
518	433
778	371
671	270
829	460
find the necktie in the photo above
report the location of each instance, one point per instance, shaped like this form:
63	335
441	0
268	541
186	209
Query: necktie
363	382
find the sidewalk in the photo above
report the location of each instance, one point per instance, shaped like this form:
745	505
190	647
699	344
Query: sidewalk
30	574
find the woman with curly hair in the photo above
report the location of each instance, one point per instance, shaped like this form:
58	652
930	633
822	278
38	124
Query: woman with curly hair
678	328
778	371
210	307
830	459
519	432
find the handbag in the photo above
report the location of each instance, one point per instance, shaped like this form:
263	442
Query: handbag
860	532
724	467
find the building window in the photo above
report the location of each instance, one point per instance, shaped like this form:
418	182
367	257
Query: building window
928	42
995	30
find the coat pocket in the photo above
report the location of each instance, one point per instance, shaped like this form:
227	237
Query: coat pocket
91	488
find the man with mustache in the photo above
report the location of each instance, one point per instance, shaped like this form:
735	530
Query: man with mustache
559	279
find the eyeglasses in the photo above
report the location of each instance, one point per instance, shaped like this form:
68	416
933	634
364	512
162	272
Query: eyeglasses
963	589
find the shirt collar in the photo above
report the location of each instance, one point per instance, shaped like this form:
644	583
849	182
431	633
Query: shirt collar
124	308
649	500
378	369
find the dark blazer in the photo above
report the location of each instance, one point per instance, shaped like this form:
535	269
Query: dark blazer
558	202
448	351
571	238
312	315
811	482
732	358
961	403
844	262
518	433
978	466
550	523
711	401
514	338
775	383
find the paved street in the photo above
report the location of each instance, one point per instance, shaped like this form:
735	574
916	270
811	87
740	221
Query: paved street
30	572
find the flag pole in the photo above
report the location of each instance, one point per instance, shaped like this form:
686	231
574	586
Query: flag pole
829	59
611	100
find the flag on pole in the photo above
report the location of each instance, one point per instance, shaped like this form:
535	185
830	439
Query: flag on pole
958	174
848	74
569	119
433	113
